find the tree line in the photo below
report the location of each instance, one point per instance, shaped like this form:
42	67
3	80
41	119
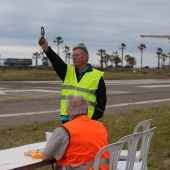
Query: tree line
105	58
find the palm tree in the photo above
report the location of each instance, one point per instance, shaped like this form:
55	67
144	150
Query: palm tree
101	53
44	58
122	47
133	61
127	58
114	58
66	51
159	54
117	60
69	57
106	59
35	56
141	47
58	41
130	60
164	56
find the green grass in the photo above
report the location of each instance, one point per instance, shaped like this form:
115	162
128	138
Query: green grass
118	125
23	73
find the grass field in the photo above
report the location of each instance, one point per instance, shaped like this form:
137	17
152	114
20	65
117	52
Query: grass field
48	74
118	125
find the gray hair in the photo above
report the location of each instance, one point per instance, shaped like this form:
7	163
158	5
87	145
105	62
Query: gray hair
83	48
76	105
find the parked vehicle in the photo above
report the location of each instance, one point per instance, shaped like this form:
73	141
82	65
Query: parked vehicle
128	66
17	62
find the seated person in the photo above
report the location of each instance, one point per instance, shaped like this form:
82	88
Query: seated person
75	144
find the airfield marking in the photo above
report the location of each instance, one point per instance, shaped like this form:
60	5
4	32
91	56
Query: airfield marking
108	106
30	113
6	92
29	90
2	88
135	103
47	91
154	86
26	97
115	92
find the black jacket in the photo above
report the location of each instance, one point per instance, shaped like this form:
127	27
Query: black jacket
61	67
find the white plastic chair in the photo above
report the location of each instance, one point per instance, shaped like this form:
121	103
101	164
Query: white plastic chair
144	125
132	143
142	165
114	152
130	164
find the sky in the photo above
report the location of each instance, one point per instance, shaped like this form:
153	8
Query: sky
99	24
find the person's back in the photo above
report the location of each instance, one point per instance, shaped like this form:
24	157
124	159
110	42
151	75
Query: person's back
87	137
75	144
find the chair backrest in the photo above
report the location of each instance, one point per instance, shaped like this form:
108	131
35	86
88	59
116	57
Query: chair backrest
114	152
132	143
147	135
145	126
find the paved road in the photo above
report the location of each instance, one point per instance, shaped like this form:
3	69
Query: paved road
27	102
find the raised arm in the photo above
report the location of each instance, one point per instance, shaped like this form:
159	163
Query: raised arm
58	64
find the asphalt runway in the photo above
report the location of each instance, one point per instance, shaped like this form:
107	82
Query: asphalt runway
29	102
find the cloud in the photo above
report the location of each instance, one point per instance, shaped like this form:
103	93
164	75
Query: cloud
97	23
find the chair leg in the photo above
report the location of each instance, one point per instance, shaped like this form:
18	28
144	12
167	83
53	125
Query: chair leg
52	166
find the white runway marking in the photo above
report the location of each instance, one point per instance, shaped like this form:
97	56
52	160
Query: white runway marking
154	86
30	113
48	91
139	82
116	92
29	90
108	106
142	102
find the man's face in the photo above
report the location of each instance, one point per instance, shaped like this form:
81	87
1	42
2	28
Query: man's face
79	58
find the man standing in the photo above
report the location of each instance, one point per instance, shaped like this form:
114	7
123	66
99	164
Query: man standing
80	79
75	144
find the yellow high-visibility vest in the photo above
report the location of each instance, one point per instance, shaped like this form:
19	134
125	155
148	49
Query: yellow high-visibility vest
86	87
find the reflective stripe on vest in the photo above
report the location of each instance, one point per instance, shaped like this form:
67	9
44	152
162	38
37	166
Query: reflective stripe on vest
79	89
86	87
90	103
103	161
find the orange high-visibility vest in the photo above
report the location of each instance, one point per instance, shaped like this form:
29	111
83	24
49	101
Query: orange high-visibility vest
87	137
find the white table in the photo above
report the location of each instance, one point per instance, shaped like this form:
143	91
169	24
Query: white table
14	158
